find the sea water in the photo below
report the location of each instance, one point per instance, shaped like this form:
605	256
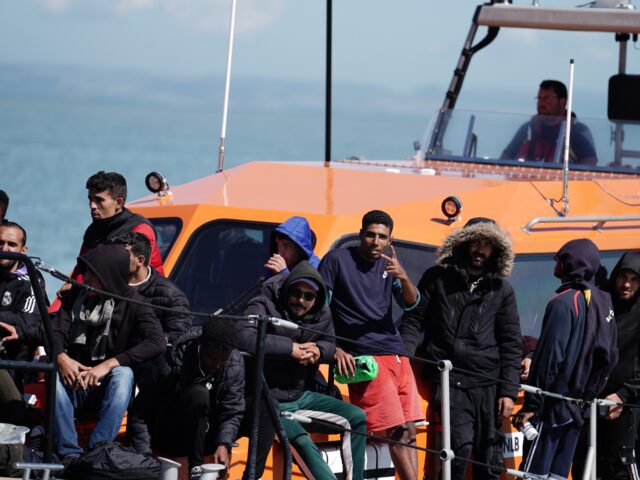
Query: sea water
48	149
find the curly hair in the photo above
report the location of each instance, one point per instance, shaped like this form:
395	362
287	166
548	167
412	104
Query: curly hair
115	183
220	334
377	217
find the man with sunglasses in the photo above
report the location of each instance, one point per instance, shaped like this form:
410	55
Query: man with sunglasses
542	138
291	363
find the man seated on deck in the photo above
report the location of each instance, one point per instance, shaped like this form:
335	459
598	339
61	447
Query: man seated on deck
107	196
292	358
19	313
161	291
542	140
201	400
361	282
100	340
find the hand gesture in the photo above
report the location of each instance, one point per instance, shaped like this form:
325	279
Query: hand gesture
614	410
276	263
91	377
221	456
393	265
70	370
311	353
13	333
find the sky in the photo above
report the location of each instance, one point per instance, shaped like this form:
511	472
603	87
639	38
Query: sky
402	45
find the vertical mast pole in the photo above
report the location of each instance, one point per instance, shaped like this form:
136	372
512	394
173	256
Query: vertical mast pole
225	105
567	139
327	109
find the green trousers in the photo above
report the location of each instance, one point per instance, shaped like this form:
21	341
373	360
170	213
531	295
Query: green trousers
329	409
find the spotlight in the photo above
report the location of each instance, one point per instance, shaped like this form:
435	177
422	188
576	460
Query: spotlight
451	207
157	183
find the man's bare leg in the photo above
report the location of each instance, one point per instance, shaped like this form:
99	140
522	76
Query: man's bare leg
405	459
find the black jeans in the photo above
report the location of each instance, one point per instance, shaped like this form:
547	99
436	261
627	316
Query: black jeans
473	430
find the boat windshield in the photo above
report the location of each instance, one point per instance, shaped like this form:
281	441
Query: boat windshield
532	140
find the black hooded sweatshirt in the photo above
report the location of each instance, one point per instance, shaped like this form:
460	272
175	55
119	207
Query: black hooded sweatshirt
287	379
625	378
135	334
577	349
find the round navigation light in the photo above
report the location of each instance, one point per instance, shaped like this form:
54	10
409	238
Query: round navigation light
157	183
451	207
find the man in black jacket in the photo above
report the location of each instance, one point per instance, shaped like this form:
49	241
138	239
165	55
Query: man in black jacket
204	396
20	324
617	430
101	340
291	363
161	291
468	311
157	289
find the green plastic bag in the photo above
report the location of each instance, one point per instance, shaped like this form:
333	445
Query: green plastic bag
366	370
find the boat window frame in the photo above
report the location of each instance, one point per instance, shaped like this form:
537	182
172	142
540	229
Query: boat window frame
179	226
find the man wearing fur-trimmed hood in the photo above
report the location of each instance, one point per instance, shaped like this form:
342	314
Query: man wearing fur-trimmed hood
469	314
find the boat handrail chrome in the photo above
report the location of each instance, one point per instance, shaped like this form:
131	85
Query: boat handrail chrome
598	221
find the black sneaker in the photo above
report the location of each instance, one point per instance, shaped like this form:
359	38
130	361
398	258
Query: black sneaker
195	473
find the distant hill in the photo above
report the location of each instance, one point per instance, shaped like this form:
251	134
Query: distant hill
74	83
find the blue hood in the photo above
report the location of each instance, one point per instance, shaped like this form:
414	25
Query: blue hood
298	230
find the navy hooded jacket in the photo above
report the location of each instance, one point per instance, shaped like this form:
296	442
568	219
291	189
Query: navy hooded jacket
577	346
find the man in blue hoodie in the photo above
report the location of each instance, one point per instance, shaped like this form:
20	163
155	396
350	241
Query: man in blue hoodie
574	356
291	242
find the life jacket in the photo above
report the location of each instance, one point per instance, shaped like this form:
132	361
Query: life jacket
540	145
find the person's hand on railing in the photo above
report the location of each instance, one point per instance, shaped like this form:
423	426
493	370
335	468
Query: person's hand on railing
614	410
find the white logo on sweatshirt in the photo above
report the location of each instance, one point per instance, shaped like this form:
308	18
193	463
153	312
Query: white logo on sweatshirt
6	299
611	315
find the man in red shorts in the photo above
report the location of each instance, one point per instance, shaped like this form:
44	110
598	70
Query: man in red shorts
361	282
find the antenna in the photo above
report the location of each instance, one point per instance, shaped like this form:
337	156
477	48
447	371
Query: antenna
567	144
227	79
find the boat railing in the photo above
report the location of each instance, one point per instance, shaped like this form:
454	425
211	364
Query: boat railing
597	222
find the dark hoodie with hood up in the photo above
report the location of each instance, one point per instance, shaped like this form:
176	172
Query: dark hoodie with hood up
624	380
135	334
287	379
472	322
577	349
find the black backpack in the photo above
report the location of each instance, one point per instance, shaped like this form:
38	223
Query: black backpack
112	461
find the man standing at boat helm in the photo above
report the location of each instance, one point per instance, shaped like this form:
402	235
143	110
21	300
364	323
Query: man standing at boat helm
617	430
107	196
469	313
361	282
540	139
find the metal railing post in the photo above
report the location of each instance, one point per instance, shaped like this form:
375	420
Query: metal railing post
446	454
255	423
590	464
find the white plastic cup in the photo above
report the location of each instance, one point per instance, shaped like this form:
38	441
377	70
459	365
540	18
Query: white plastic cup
210	471
168	469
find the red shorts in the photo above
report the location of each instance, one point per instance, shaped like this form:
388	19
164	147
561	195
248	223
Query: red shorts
392	398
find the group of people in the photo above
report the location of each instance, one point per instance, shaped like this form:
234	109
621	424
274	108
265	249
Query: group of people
122	326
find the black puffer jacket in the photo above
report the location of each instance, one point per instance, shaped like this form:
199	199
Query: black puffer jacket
227	386
287	379
476	328
625	377
163	292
